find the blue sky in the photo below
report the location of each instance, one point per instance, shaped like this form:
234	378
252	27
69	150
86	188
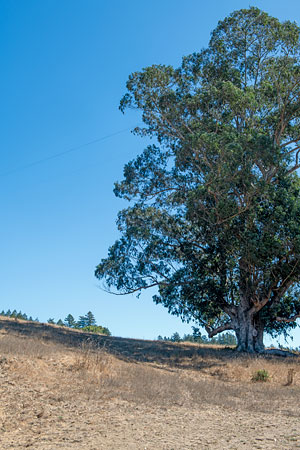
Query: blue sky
63	72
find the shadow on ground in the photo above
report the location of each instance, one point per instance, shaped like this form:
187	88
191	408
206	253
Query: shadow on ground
134	350
168	354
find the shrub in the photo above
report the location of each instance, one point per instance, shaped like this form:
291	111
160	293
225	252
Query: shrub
97	329
261	376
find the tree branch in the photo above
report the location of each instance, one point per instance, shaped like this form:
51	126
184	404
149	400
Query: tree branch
293	169
291	319
132	291
212	332
290	142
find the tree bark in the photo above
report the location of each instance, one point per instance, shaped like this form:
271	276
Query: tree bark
249	330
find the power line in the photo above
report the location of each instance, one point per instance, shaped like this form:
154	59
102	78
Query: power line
57	155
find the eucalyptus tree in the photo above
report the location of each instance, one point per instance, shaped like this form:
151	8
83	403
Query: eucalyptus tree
214	223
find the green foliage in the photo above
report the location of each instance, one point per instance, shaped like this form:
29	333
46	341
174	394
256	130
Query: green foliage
86	323
98	329
261	376
51	320
215	220
22	316
175	337
60	323
82	322
90	319
70	321
227	339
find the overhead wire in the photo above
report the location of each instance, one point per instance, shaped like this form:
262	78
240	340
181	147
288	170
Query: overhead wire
64	152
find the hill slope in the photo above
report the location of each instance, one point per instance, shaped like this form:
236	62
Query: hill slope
64	389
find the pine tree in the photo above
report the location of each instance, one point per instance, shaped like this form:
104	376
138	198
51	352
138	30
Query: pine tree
90	319
175	337
82	322
70	321
20	315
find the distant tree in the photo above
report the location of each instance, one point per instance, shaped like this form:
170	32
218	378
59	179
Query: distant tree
188	338
87	320
8	313
22	316
226	339
70	321
30	318
159	338
175	337
90	319
60	323
50	321
82	322
105	330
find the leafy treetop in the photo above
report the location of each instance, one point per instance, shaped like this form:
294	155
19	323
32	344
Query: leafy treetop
216	214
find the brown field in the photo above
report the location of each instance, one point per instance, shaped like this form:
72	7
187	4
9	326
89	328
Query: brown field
64	389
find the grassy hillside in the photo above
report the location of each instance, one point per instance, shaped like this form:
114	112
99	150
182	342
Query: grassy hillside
62	388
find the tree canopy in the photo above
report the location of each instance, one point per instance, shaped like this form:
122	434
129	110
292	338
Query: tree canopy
215	219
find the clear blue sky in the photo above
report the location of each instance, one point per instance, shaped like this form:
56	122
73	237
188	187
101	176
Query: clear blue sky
64	65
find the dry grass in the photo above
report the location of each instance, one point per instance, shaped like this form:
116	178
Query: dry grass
103	356
93	362
55	376
35	347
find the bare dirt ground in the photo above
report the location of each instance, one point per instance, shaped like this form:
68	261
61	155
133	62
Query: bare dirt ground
63	389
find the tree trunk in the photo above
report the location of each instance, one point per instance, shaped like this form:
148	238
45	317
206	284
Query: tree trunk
249	331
